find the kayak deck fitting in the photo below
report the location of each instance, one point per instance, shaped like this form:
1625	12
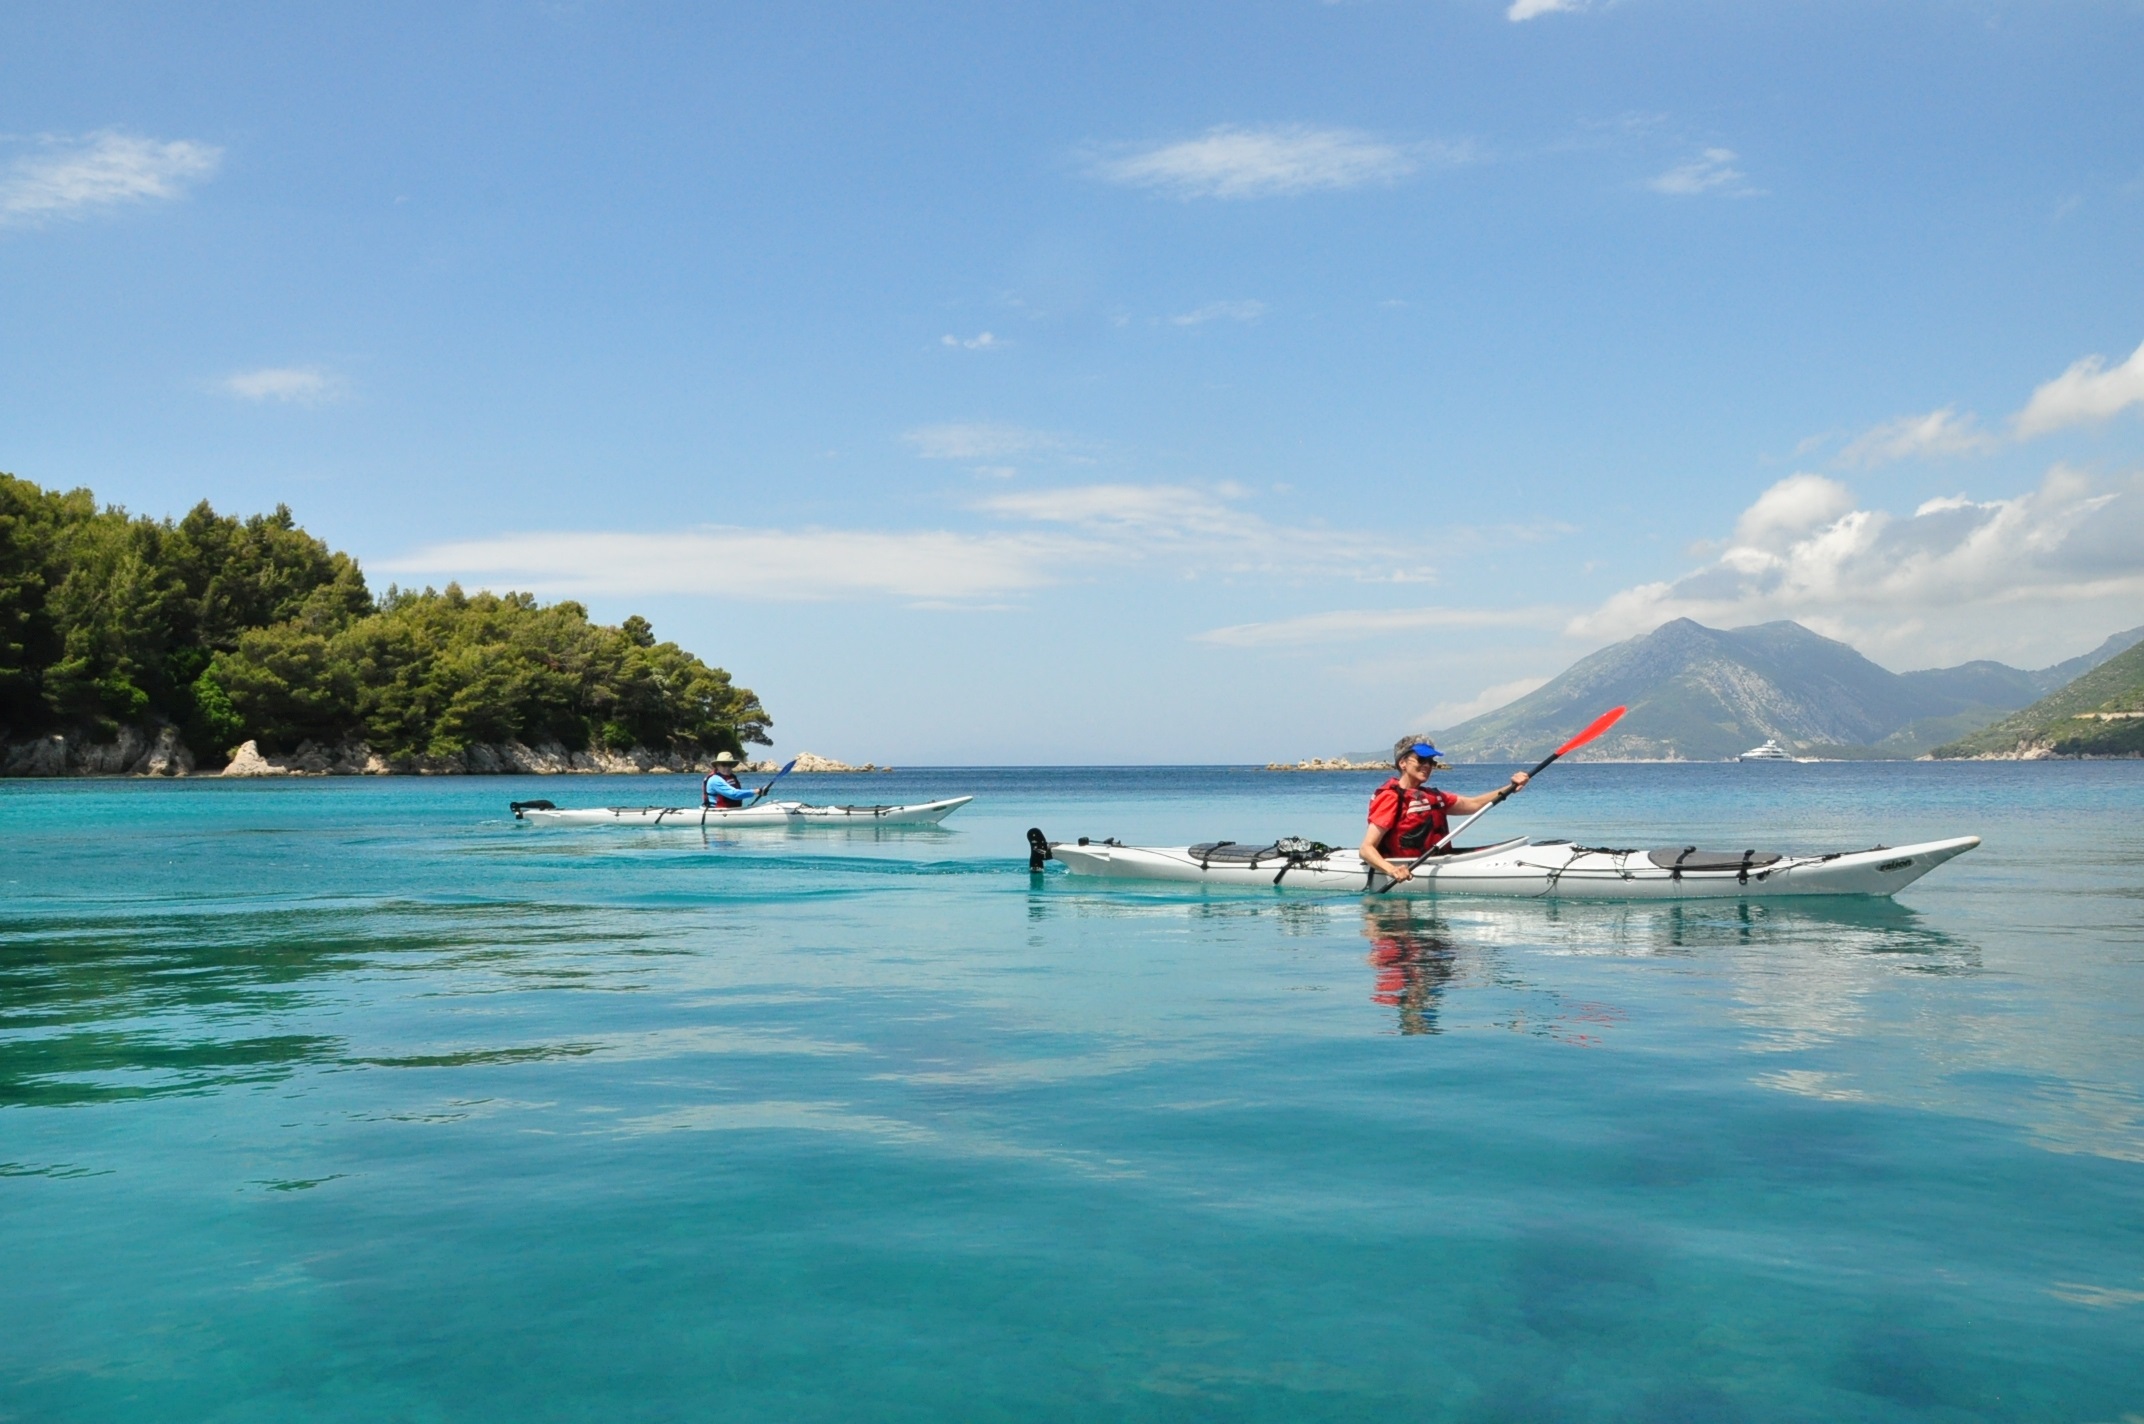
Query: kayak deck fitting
765	813
1519	868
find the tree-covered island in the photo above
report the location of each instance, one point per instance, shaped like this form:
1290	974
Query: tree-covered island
216	631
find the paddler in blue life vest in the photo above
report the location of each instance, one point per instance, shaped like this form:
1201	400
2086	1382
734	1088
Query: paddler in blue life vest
722	790
1407	816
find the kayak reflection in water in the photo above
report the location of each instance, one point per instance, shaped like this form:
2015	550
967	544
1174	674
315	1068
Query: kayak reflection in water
722	790
1413	964
1407	817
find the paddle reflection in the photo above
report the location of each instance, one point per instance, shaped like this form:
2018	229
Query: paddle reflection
1414	963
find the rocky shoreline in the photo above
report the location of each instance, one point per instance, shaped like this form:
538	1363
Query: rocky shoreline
1327	764
157	751
2031	750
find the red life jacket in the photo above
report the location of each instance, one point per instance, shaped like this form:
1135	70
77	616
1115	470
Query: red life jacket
720	796
1418	822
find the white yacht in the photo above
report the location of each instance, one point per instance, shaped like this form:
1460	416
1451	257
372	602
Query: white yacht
1770	751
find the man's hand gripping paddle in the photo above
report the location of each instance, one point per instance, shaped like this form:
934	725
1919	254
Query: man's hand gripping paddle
761	794
1600	724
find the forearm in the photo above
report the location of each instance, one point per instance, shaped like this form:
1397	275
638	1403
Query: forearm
1468	805
1375	858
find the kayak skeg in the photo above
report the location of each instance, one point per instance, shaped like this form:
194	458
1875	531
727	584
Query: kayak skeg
1519	868
765	813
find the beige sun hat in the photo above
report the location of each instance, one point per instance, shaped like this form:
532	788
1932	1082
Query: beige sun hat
725	758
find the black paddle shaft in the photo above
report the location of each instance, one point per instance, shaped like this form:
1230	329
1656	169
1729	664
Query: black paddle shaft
1539	767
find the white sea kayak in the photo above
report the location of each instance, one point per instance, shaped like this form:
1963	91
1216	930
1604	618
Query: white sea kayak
1519	868
764	813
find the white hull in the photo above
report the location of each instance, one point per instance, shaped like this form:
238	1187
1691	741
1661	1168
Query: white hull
1536	870
1770	751
766	813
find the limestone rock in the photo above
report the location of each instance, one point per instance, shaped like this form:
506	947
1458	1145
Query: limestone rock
166	756
248	761
153	750
42	756
158	751
808	761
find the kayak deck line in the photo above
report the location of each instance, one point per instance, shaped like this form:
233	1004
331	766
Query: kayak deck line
766	813
1520	868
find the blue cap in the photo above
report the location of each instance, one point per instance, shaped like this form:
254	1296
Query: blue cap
1424	750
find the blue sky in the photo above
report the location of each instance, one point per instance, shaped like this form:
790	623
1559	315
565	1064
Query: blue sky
1111	383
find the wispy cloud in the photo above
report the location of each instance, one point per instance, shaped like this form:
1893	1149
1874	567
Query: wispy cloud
981	341
979	440
1198	530
1939	432
73	177
297	385
1523	10
1712	171
1451	714
1956	578
1275	161
1353	625
1220	311
1044	538
2086	392
776	565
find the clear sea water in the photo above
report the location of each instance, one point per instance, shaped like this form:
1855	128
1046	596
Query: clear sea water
355	1100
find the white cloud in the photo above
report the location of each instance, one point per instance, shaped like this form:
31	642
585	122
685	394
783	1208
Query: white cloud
300	385
1939	432
981	341
1522	10
69	177
806	565
2086	392
1790	509
1275	161
979	440
1712	171
1182	531
1356	624
1958	578
1220	311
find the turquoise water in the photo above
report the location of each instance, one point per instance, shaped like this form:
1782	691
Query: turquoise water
354	1100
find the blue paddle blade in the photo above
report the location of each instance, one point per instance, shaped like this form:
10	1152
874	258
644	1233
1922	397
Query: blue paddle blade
786	766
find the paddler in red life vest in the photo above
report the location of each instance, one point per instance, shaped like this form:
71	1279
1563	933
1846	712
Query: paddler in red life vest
1408	817
722	790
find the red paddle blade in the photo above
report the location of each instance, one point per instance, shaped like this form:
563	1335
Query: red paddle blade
1600	724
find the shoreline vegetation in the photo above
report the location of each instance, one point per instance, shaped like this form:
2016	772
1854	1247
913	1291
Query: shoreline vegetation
151	647
2097	716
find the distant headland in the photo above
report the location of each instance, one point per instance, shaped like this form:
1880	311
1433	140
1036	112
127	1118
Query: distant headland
151	647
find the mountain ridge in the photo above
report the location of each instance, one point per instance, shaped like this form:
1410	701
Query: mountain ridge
2098	714
1699	693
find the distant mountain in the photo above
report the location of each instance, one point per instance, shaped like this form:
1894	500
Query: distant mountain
1703	694
2099	714
2061	674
